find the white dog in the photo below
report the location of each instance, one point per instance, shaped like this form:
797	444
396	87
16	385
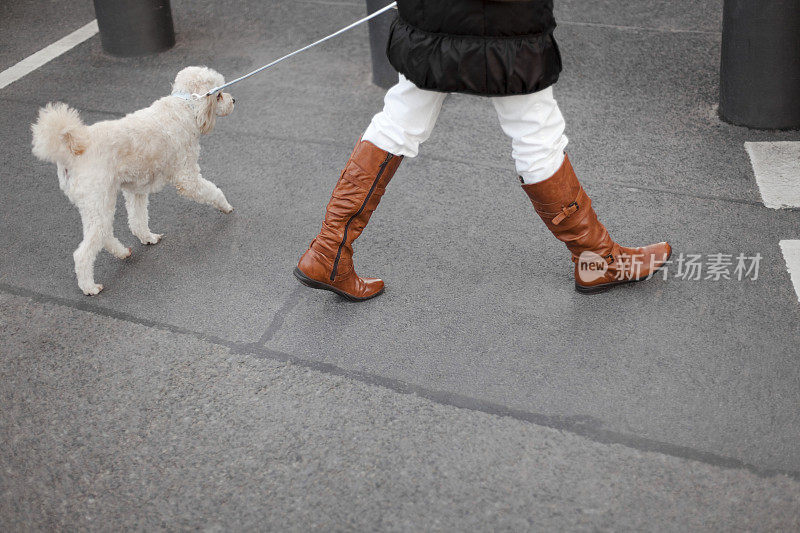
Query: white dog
139	154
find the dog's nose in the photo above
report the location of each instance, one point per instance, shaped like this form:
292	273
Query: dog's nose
234	100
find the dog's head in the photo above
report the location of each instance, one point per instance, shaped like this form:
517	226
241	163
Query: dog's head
200	80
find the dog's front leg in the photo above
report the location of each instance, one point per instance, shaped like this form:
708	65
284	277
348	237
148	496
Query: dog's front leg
138	219
201	190
116	248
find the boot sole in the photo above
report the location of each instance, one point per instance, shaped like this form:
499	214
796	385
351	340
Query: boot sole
314	284
606	286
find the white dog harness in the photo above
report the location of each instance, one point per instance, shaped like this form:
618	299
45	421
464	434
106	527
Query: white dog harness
183	96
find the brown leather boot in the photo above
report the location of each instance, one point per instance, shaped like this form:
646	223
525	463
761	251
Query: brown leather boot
328	262
600	263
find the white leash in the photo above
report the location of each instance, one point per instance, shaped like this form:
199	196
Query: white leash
287	56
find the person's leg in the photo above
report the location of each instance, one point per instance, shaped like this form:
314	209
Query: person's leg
406	121
536	127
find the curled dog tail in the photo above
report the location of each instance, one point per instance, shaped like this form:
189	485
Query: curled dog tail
59	135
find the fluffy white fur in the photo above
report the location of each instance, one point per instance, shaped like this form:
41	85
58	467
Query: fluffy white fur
138	154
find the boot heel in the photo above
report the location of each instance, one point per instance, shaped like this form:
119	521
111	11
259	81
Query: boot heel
308	282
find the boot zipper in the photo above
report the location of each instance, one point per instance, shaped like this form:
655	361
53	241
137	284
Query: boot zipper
360	209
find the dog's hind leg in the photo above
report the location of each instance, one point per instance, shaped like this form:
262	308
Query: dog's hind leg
98	227
136	204
201	190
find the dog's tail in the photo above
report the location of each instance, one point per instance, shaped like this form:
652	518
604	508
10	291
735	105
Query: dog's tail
59	135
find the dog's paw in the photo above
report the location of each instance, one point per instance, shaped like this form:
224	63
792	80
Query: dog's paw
124	253
226	208
91	290
153	238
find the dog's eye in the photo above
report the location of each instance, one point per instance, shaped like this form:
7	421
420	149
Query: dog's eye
219	97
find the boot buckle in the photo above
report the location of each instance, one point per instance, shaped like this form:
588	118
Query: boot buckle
565	213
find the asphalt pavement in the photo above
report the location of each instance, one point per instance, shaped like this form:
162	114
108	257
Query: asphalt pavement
204	387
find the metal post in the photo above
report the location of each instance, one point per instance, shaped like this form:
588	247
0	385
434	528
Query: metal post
383	74
135	27
760	68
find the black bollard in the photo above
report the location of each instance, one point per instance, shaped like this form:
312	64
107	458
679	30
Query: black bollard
383	74
135	27
760	68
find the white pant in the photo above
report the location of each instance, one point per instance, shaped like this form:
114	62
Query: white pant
533	121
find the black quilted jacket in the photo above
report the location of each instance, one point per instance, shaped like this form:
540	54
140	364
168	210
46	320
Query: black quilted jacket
485	47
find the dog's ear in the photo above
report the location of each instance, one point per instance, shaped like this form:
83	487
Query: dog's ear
206	113
75	142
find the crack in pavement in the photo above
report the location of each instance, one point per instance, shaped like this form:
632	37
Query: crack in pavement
289	303
584	426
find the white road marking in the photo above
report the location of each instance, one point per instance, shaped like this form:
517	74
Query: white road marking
777	169
46	54
791	254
